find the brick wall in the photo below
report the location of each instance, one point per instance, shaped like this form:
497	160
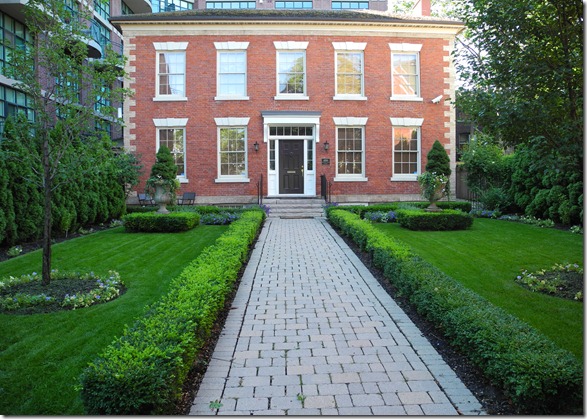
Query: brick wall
201	108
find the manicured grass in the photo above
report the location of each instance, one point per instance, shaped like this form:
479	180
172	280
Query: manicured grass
488	257
42	355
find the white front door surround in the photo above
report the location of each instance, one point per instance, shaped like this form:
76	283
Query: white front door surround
280	127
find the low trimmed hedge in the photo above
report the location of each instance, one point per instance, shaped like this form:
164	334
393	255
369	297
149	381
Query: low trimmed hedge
143	371
150	222
434	221
538	376
464	206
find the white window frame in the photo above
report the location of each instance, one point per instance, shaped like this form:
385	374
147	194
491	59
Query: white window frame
232	123
173	47
406	123
284	47
405	49
231	47
351	122
349	47
173	123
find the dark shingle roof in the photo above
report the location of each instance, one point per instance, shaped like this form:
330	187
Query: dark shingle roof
280	15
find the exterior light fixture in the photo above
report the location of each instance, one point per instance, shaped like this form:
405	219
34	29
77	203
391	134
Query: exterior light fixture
256	145
326	146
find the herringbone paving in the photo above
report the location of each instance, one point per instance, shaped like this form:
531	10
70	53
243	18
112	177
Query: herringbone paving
311	332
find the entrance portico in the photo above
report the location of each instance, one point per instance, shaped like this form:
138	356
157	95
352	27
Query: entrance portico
292	138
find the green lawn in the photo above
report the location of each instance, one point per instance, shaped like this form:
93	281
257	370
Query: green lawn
488	257
42	355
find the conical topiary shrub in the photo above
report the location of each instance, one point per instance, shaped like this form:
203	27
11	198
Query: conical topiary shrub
435	181
163	180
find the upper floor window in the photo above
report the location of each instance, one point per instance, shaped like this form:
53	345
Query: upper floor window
231	5
291	70
350	70
405	71
350	4
12	102
232	70
171	70
103	34
293	5
15	35
102	7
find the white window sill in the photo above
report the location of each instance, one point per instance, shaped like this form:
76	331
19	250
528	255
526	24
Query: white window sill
232	180
170	99
183	180
407	98
292	97
349	97
350	179
405	178
231	98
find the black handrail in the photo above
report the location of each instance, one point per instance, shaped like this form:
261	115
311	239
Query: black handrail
326	189
260	190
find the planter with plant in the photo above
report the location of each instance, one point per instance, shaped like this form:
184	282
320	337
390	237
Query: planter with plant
163	183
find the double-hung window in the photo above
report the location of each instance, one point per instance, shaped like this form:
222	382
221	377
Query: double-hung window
171	134
405	71
232	70
291	70
350	149
350	70
171	70
406	153
232	149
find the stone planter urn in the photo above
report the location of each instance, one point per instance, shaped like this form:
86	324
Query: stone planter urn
162	197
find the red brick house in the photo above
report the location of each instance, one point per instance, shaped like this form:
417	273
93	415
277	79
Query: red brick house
358	97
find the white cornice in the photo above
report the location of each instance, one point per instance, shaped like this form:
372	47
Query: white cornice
403	29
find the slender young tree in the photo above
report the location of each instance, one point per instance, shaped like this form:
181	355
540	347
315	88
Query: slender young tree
67	91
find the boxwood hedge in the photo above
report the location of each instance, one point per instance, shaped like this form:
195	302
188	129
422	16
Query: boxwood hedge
538	376
151	222
464	206
434	221
142	371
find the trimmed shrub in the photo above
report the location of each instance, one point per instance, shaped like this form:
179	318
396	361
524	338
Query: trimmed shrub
434	221
538	376
464	206
143	371
149	222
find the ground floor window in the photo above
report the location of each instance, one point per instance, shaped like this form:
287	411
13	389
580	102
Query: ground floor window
174	140
350	151
233	152
406	151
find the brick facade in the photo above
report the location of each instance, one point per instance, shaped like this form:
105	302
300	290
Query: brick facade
201	108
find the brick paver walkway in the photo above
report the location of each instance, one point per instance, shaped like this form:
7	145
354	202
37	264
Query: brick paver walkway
312	332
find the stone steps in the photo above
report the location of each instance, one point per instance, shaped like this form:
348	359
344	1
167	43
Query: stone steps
295	207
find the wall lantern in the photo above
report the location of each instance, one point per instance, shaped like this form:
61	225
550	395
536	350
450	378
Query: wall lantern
326	146
256	145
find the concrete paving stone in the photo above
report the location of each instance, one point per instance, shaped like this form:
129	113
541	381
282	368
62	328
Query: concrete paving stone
367	400
258	362
270	391
316	379
313	360
355	367
256	381
345	377
309	389
300	370
391	399
252	403
286	403
244	372
327	389
328	369
416	397
439	409
304	412
238	392
398	366
319	402
388	410
356	388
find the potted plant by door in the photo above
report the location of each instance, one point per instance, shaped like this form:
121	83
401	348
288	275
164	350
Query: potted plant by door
163	183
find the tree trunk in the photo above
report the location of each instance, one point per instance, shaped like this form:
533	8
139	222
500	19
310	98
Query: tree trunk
47	184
